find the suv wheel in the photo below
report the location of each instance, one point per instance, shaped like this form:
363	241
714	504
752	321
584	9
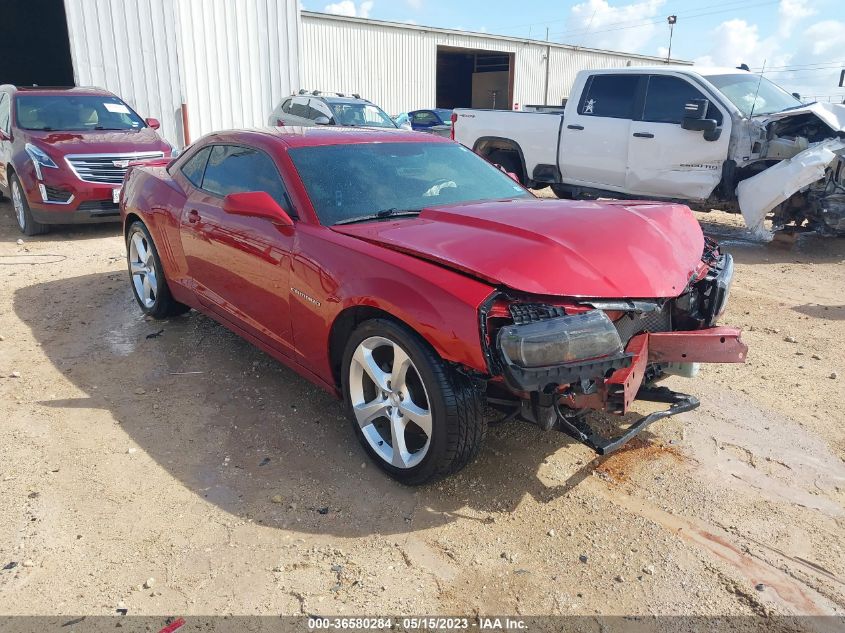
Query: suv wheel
23	213
415	415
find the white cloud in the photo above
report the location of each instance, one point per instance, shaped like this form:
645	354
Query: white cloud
736	41
596	24
348	7
416	5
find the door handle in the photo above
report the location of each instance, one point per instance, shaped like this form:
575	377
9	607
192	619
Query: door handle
575	127
643	134
193	216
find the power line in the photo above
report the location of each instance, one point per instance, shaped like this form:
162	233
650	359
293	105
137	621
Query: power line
633	25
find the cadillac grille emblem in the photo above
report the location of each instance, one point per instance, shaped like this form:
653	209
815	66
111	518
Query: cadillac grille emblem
123	164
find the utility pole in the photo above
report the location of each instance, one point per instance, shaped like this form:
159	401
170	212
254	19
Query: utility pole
671	20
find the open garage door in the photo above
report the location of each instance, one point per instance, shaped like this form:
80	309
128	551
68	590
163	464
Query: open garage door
34	47
474	78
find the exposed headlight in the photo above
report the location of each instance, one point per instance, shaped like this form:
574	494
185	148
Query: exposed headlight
565	339
723	286
39	159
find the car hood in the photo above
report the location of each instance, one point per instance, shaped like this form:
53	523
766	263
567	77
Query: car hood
554	247
832	114
99	142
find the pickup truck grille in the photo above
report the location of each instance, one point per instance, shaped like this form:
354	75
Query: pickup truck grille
107	169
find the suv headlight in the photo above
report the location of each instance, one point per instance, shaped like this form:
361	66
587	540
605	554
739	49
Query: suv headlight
39	159
565	339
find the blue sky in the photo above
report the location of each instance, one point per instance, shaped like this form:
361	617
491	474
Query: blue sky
802	42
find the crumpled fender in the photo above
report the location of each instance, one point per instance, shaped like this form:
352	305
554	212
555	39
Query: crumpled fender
761	193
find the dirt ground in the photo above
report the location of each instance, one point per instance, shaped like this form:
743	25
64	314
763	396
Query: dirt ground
176	455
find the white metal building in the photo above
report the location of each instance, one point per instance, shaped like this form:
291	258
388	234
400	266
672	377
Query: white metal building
404	67
196	65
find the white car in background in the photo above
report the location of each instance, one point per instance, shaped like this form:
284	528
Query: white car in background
329	108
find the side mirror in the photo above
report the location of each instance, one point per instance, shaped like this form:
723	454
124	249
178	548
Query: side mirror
4	136
694	113
322	120
256	204
796	95
153	123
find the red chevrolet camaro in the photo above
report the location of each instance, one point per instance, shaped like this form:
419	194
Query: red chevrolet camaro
418	282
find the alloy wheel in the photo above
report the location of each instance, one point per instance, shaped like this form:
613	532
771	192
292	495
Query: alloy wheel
390	402
142	267
17	202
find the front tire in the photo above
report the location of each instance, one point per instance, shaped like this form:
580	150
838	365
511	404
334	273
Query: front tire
23	214
416	416
147	275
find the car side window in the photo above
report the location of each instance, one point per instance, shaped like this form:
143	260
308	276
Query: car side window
194	167
611	96
5	112
236	168
286	106
666	97
299	107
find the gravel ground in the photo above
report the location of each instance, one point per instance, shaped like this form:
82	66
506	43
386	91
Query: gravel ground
173	468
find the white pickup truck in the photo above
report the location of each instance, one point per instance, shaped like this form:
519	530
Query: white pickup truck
710	137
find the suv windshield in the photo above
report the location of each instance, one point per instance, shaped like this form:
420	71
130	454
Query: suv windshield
346	182
75	113
360	115
742	91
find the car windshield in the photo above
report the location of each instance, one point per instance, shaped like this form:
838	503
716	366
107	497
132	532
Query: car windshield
360	115
359	180
75	113
753	94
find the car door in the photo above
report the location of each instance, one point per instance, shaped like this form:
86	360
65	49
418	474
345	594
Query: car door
239	266
594	146
663	158
5	137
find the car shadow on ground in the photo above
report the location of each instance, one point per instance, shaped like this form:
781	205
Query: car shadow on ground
249	435
9	231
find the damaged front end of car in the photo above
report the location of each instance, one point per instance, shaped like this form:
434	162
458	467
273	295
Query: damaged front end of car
555	361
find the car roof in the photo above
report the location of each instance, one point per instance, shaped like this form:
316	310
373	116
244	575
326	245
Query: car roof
58	90
296	136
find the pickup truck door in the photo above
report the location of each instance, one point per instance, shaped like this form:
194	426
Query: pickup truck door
594	146
239	265
663	158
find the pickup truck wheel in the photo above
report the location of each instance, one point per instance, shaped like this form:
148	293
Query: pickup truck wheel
416	416
23	214
147	275
562	193
509	161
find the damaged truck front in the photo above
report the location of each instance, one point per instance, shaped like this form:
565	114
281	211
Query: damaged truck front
709	137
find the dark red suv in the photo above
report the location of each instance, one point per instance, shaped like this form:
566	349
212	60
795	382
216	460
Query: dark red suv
64	152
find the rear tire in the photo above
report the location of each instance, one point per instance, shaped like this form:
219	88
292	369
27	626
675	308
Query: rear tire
399	392
23	214
509	160
146	275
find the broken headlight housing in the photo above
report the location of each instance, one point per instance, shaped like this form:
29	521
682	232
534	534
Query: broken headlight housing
560	340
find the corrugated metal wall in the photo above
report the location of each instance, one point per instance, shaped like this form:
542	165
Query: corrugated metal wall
238	60
230	61
395	65
129	48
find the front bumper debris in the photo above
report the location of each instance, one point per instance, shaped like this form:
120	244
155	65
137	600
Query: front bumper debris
565	409
680	403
